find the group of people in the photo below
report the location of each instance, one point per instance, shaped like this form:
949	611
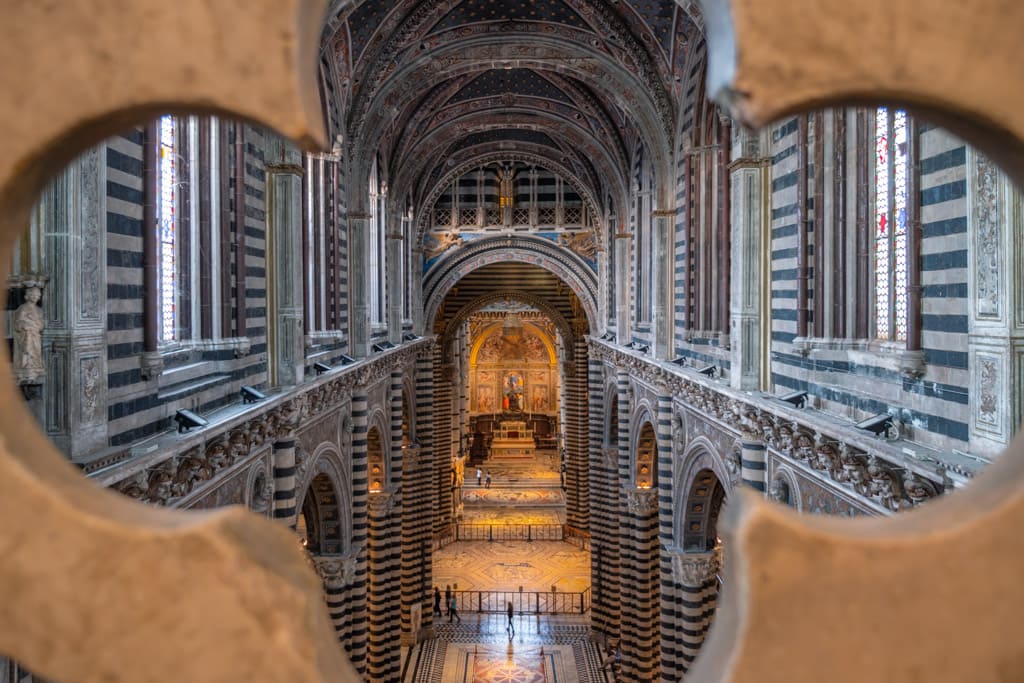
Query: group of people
480	478
453	609
450	602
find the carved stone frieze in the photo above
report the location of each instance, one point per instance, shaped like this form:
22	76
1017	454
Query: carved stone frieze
887	485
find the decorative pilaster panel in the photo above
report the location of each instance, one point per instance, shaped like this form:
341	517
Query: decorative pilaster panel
995	297
577	481
72	220
623	332
747	220
357	640
694	577
358	225
639	640
383	660
396	287
286	334
662	294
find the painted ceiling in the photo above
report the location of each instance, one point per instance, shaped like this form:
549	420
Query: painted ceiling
424	88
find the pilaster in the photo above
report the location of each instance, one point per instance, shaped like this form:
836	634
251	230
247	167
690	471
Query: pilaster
286	334
748	220
73	228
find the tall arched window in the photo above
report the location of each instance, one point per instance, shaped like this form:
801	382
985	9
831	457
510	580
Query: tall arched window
168	229
891	176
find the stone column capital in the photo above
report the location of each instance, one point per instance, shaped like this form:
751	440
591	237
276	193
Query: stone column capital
336	571
695	569
381	504
642	501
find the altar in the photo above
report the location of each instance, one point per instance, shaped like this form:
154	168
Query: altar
512	441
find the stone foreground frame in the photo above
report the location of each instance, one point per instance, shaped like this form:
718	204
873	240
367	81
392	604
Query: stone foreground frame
934	594
93	586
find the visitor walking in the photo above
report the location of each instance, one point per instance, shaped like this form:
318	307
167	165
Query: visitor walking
448	600
479	476
511	628
488	480
453	610
437	601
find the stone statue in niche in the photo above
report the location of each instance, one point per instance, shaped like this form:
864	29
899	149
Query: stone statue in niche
28	339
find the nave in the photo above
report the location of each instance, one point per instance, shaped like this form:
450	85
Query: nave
547	581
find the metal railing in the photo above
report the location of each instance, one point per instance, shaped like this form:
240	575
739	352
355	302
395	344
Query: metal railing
509	532
524	602
512	532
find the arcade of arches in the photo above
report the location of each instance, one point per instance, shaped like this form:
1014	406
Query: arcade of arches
535	244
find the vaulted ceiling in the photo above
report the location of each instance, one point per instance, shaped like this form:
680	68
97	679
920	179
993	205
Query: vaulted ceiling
425	86
583	81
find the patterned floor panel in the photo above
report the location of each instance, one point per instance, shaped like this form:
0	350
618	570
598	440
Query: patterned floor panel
481	650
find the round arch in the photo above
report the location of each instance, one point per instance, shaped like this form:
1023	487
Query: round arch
438	187
327	463
447	272
700	488
378	452
561	324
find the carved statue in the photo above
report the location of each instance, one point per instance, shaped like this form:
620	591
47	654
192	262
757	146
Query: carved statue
263	491
28	339
779	491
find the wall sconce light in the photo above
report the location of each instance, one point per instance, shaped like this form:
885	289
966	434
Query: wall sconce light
797	399
877	424
186	420
346	360
709	371
251	395
321	368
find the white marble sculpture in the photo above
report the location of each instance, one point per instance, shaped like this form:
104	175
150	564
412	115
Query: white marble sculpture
28	339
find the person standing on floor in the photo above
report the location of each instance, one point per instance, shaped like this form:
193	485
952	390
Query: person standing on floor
511	628
448	600
479	476
488	479
437	601
453	610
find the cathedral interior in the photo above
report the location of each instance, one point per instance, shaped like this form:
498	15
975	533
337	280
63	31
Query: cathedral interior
535	320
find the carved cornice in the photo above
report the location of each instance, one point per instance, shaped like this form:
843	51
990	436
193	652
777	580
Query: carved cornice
839	458
184	465
380	505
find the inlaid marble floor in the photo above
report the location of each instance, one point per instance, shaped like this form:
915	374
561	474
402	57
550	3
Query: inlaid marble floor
543	648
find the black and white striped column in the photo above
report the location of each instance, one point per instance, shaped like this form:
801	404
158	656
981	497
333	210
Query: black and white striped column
696	575
283	459
442	442
577	481
383	659
640	640
357	634
385	556
419	494
672	664
753	467
604	511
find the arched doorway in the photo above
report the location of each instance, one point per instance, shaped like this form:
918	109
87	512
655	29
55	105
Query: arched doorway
319	523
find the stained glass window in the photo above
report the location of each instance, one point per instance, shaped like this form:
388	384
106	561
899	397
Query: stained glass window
891	172
168	228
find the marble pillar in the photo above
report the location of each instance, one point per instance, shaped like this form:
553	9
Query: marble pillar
72	222
359	302
749	223
623	330
286	335
663	290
